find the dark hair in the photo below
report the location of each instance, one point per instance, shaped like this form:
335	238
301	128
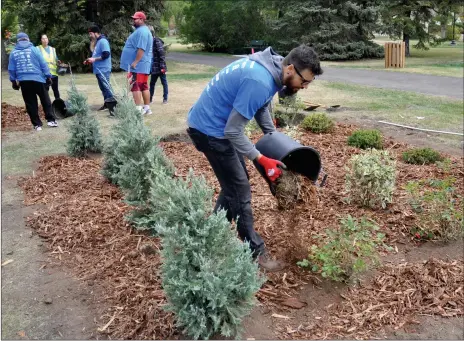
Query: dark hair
304	57
94	29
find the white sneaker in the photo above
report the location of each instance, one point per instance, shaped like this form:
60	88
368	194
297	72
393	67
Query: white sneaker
52	124
148	112
38	128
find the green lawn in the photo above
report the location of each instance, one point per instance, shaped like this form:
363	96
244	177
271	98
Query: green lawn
443	60
187	81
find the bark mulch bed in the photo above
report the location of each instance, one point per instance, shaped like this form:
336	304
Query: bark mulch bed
85	227
16	118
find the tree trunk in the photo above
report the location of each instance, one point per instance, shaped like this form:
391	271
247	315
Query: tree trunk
406	43
443	31
4	57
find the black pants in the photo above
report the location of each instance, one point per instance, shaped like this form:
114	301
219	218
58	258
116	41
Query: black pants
56	92
235	195
30	90
164	82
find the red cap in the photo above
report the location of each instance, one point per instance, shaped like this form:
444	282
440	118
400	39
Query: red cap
139	15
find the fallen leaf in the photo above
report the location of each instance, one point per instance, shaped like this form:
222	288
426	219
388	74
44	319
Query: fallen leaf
22	333
7	262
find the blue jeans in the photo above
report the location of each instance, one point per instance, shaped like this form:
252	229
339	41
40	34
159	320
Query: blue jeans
103	79
164	81
235	196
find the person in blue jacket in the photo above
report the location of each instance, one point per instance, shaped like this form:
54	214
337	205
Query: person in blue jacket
29	72
101	60
238	93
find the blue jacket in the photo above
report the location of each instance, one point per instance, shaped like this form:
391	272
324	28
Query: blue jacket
26	63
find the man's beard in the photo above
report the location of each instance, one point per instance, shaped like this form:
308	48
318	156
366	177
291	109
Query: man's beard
288	91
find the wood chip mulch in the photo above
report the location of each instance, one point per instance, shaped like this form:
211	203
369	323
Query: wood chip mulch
15	118
84	224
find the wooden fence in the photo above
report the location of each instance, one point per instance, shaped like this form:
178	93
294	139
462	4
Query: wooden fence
395	55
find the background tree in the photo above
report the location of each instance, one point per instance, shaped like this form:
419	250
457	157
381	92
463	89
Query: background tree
336	29
223	26
67	24
411	19
10	27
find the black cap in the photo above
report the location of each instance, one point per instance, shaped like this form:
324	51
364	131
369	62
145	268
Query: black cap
94	29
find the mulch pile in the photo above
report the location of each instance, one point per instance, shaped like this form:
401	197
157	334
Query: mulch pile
396	297
86	229
16	118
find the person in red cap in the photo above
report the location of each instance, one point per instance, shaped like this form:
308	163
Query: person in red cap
136	59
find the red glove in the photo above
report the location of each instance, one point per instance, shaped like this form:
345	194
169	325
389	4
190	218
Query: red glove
271	167
163	71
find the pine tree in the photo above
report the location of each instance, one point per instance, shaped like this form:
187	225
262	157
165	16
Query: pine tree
336	29
208	274
84	130
133	159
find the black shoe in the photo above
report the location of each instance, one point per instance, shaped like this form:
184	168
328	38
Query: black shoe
102	108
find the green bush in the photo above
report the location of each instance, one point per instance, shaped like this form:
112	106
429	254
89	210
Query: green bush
347	250
370	178
421	156
318	123
366	138
288	112
85	136
439	209
208	274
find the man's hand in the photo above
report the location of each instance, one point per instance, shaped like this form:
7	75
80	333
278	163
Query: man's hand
15	85
163	71
271	167
134	64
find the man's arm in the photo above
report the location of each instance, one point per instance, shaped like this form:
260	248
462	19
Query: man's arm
138	57
264	120
12	68
234	132
162	55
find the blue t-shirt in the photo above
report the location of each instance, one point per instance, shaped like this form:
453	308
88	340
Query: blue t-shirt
244	85
104	65
141	38
26	63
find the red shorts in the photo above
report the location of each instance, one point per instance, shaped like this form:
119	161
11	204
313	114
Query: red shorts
139	81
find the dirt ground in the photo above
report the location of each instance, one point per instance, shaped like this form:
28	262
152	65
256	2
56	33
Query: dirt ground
42	298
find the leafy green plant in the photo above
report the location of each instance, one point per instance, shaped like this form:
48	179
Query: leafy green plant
318	123
439	209
288	112
421	156
251	128
370	178
446	165
85	136
366	138
347	250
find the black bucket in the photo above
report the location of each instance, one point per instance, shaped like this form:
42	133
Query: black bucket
298	158
59	109
111	104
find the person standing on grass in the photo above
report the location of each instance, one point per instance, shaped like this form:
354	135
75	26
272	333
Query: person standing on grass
101	62
29	72
238	93
49	54
136	59
158	68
